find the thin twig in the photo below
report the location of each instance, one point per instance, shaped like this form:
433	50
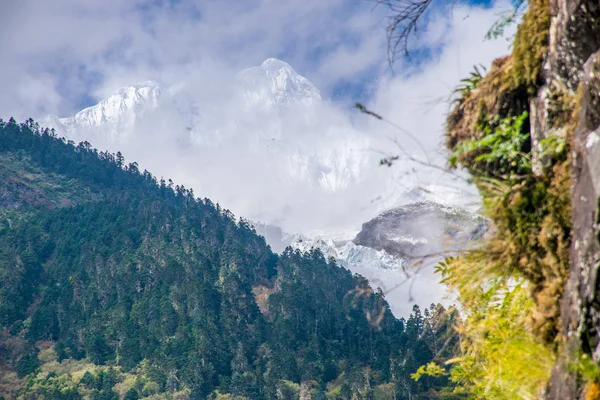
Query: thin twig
402	24
364	110
388	160
420	264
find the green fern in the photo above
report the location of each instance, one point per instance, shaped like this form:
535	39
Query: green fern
469	84
553	145
500	152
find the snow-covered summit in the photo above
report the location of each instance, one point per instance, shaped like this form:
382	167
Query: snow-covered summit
113	116
269	109
264	131
266	88
277	83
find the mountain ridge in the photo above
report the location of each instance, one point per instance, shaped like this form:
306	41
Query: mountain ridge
284	87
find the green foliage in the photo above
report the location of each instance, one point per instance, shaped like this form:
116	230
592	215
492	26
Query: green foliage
131	394
469	84
102	383
27	363
531	45
501	357
587	368
431	369
502	151
511	287
288	390
53	388
554	146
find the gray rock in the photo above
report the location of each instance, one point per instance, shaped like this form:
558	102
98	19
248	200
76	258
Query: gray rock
421	229
574	59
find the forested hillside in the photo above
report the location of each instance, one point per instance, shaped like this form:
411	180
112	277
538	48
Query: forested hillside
114	284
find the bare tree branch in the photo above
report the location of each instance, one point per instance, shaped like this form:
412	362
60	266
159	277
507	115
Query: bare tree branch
364	110
389	160
402	23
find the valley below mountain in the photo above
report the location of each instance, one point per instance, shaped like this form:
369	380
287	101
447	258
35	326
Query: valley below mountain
458	259
128	286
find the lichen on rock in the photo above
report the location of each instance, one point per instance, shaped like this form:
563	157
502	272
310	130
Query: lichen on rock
531	46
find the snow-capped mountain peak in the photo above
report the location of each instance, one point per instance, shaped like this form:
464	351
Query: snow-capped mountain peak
146	91
268	88
124	101
277	83
112	116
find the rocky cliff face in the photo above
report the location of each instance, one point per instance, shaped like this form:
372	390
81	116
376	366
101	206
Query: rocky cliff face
417	230
573	63
544	198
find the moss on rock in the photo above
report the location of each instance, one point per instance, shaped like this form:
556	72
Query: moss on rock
531	46
494	95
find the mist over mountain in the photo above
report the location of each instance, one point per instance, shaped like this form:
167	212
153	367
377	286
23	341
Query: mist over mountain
268	146
397	250
266	132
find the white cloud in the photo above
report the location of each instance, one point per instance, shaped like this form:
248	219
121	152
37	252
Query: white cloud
132	39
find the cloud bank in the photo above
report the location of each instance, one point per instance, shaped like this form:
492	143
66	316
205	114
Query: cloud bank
59	55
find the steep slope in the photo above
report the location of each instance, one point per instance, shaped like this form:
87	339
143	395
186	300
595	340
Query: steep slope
156	293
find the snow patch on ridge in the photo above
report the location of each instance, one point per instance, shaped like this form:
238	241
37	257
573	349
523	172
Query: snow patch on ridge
111	117
401	284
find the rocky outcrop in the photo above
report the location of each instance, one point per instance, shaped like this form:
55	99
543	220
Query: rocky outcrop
546	217
421	229
581	305
572	70
573	36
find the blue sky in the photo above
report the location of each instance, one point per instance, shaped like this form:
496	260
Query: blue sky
61	55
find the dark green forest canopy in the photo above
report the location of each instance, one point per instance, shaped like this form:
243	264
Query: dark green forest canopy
104	262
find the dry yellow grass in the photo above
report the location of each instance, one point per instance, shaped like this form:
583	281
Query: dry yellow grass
592	391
